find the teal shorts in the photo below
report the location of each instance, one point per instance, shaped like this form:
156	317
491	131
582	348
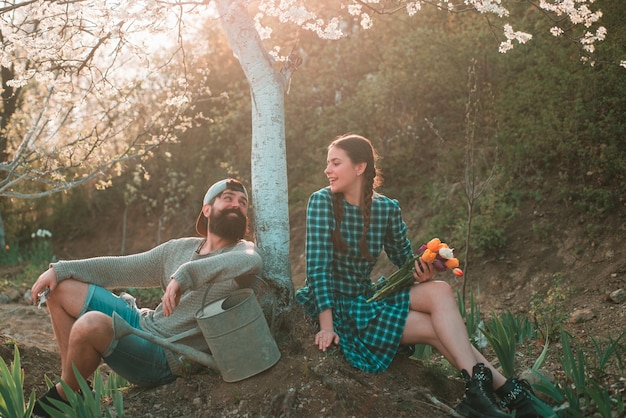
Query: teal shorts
139	361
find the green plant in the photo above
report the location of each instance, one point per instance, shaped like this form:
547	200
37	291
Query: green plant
37	251
573	363
10	255
604	355
471	318
12	390
595	201
115	382
548	388
503	342
542	230
542	357
549	311
422	352
504	333
87	402
40	249
604	402
580	394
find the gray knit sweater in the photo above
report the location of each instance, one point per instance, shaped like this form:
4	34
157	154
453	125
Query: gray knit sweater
174	259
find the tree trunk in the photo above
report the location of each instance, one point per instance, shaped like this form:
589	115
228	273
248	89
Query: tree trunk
269	161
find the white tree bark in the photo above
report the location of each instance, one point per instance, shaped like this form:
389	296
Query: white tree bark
269	162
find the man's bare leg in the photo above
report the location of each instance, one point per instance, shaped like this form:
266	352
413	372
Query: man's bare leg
90	336
64	305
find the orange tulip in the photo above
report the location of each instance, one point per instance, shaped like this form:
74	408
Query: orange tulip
452	263
434	245
428	256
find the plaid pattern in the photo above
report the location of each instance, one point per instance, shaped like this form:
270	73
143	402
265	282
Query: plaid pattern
369	332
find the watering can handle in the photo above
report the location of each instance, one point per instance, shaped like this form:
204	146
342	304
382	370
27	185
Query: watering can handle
241	282
189	333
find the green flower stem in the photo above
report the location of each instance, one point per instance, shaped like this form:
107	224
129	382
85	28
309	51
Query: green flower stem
400	279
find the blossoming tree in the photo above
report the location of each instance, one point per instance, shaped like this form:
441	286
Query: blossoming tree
74	75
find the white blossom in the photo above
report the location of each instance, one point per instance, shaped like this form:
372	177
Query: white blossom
366	21
489	6
576	10
511	35
589	39
177	101
556	31
446	253
41	233
413	7
354	9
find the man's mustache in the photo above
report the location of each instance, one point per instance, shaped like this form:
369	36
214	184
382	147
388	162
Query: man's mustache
237	212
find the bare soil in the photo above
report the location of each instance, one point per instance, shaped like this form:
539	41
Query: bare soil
309	383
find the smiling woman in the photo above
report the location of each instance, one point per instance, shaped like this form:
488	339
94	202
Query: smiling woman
348	227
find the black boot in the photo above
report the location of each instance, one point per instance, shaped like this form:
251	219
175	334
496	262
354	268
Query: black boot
478	400
52	393
517	395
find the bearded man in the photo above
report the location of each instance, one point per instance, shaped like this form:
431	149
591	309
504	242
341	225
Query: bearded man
191	271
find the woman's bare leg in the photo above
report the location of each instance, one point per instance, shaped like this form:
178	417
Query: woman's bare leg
434	319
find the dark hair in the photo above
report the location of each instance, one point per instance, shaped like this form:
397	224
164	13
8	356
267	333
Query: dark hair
360	150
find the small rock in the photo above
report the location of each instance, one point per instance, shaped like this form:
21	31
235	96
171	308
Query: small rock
617	296
532	377
581	315
4	299
14	295
28	298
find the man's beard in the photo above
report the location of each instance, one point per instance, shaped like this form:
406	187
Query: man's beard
226	226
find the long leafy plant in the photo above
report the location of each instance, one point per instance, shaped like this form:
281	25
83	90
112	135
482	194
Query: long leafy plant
12	402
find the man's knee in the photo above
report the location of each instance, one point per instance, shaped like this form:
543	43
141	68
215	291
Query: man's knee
94	328
93	321
70	286
70	295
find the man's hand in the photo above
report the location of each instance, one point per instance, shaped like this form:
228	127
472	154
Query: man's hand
171	297
47	280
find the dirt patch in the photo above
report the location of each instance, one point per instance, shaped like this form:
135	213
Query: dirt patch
304	383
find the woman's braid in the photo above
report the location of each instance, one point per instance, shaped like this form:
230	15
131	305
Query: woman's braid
366	209
338	241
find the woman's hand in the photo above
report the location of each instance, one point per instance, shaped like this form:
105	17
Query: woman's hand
171	297
423	271
47	280
325	338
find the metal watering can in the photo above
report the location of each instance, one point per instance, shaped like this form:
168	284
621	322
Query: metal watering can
235	330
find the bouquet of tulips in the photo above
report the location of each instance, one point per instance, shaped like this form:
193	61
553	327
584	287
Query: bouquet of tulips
438	253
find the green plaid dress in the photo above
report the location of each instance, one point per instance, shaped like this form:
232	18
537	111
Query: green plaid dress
369	332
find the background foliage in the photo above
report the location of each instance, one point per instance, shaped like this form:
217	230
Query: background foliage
439	102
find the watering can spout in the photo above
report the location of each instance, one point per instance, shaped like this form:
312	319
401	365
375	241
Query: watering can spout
121	328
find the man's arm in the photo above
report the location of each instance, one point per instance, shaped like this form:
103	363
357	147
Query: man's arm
243	260
137	270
